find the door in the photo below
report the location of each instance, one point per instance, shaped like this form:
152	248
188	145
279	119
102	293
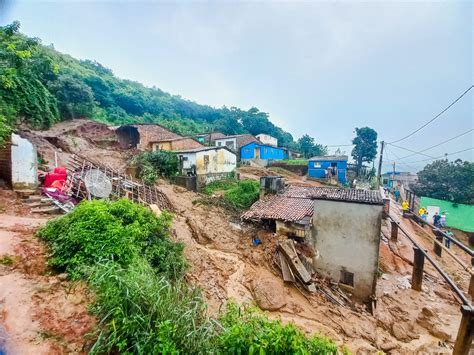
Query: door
256	153
431	212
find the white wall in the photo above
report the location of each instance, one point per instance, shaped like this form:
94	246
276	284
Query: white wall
347	235
24	163
189	161
218	161
230	143
267	139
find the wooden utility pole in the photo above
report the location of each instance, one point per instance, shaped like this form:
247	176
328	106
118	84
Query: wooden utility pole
379	173
394	234
465	336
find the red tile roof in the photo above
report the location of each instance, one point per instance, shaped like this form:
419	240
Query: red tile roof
282	208
371	197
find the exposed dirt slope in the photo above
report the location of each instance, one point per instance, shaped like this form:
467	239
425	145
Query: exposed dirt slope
39	313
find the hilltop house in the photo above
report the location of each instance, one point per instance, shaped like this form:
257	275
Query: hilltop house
209	139
398	178
336	165
342	225
152	137
261	153
267	139
235	142
207	164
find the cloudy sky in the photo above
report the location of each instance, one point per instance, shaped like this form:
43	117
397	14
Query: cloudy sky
320	68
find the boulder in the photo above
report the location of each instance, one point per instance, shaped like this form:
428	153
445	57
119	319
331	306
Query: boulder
268	293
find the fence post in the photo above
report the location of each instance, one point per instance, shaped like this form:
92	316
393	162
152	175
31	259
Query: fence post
436	247
465	335
394	235
418	263
471	286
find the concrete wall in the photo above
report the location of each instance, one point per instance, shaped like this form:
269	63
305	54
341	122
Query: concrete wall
291	229
264	152
230	143
347	236
458	216
177	144
24	163
215	161
267	139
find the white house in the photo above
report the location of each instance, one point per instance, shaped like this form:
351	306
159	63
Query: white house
208	163
267	139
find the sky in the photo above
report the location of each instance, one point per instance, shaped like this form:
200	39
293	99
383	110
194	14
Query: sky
321	68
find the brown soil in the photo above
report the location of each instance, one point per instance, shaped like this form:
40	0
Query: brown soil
225	265
39	313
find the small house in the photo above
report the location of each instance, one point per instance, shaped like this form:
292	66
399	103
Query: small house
175	144
261	153
329	166
141	136
209	139
398	178
207	164
235	142
341	225
19	163
267	139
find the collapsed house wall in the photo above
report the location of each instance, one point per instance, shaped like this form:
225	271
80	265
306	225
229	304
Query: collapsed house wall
347	237
176	144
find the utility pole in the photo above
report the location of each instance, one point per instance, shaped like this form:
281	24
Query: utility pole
393	176
379	173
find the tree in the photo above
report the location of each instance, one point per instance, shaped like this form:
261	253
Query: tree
365	149
309	148
450	181
74	97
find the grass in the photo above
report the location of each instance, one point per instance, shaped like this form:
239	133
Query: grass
142	301
296	162
238	194
6	260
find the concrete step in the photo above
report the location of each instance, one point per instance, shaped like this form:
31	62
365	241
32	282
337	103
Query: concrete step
48	210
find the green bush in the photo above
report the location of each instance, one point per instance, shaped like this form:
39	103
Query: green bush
152	165
249	331
219	185
121	231
142	313
244	194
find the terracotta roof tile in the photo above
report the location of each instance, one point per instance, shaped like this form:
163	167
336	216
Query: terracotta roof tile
371	197
282	208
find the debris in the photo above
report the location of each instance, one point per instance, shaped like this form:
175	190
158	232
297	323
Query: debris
285	269
268	294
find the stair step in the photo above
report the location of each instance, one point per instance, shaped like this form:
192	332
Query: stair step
50	210
40	203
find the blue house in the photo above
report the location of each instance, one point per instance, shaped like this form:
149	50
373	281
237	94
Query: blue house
260	151
326	166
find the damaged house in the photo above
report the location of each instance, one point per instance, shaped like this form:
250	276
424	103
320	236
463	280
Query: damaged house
206	164
153	137
342	225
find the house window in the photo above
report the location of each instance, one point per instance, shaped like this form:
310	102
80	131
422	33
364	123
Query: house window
206	159
317	165
219	144
347	278
247	150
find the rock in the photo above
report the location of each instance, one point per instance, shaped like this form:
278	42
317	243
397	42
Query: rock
62	277
403	332
386	347
427	312
268	294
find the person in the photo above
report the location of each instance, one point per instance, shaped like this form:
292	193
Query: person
405	208
442	221
421	211
424	217
436	219
397	195
447	241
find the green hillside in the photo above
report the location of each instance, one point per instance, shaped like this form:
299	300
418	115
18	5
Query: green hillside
41	86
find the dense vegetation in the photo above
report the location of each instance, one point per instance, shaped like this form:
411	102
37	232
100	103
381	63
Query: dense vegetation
237	195
143	304
40	86
444	180
153	165
365	146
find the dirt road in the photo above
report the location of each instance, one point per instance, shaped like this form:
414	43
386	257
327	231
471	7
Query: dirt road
39	313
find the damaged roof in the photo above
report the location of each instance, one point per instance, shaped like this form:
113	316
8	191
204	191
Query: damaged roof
371	197
279	207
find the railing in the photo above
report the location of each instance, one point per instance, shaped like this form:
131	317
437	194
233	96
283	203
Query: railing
466	328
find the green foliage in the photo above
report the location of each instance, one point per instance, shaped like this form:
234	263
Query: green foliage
121	231
5	130
444	180
248	331
309	148
365	149
152	165
219	185
243	195
142	313
296	162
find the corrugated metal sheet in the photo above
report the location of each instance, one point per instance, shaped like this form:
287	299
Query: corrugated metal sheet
336	194
281	208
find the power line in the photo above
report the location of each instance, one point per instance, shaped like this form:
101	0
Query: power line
409	150
434	118
340	145
441	156
437	145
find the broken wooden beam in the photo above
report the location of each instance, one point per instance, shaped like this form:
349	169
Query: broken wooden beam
294	261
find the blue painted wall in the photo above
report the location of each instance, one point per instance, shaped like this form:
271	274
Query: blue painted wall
319	172
266	152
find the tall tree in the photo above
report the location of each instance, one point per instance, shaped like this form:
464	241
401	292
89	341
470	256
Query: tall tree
309	148
365	149
450	181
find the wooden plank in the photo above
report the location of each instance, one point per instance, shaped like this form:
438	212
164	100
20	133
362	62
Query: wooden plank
294	261
285	269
